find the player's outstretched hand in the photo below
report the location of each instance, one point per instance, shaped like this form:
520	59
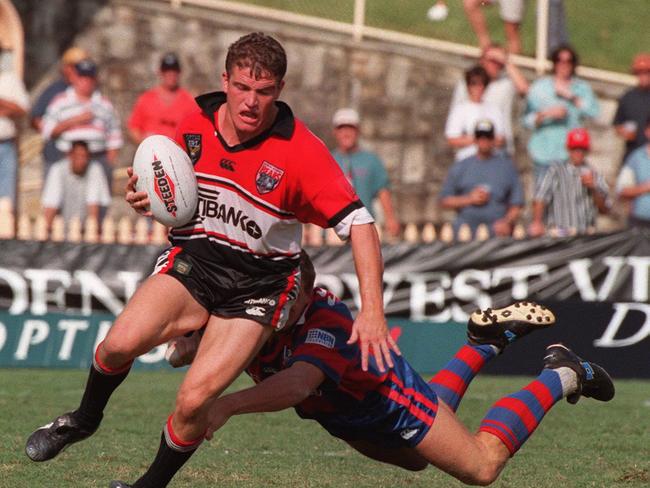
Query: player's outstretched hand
139	200
372	334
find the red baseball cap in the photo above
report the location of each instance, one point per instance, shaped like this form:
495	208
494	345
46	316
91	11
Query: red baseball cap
577	139
641	63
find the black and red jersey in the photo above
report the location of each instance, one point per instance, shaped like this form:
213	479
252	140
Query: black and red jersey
321	339
253	197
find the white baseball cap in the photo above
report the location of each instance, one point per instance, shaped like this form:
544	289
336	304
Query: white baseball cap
345	116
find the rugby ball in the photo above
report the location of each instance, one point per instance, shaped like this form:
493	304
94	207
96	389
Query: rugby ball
165	172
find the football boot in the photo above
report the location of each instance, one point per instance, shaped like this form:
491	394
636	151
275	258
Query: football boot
48	441
593	380
501	326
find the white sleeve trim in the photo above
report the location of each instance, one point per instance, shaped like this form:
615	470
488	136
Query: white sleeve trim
359	216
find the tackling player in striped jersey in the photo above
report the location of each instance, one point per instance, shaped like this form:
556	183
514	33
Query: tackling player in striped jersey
397	417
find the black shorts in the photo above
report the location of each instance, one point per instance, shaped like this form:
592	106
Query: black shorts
226	292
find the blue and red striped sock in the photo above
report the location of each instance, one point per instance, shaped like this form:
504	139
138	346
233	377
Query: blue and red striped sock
514	418
451	381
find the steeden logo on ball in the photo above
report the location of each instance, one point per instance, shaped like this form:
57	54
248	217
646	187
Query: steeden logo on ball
164	186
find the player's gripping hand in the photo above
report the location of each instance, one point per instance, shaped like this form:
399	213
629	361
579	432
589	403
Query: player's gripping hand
372	333
217	417
139	200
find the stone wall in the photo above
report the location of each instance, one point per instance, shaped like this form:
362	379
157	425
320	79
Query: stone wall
403	93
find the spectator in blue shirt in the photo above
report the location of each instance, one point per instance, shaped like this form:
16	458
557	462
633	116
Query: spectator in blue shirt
554	105
68	60
633	183
484	188
364	169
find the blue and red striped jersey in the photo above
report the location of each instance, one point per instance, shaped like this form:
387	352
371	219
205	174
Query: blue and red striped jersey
321	340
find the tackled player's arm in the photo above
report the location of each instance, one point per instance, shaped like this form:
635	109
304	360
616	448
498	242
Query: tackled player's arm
285	389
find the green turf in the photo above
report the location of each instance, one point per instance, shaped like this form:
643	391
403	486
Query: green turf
590	444
606	33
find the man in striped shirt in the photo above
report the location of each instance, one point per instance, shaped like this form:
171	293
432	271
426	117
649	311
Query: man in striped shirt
82	113
571	194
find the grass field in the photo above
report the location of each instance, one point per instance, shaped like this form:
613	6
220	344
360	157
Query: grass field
587	445
606	34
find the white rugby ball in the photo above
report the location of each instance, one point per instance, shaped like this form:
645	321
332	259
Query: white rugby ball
166	173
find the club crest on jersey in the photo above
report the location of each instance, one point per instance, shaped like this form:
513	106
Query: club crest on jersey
193	144
164	186
268	178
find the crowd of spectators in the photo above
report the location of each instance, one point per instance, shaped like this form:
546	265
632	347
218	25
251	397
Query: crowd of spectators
82	136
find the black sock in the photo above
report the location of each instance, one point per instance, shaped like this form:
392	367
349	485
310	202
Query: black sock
167	463
99	388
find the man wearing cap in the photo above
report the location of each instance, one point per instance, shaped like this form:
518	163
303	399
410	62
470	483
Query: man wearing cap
69	58
82	113
364	169
571	194
484	188
14	102
160	109
634	107
633	182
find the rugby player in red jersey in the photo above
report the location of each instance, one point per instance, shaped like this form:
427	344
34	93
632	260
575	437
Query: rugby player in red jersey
397	417
234	267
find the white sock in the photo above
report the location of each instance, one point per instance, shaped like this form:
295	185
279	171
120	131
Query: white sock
569	380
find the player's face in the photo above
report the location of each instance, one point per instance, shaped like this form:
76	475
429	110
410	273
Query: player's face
298	307
346	137
251	101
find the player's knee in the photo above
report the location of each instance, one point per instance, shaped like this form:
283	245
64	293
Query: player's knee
190	406
485	475
114	351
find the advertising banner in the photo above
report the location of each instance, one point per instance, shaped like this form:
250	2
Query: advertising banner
57	299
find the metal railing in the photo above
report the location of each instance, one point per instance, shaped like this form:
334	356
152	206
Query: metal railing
358	30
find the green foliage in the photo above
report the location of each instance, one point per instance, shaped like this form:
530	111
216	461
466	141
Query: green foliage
606	34
590	444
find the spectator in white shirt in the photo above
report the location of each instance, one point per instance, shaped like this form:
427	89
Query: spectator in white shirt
506	82
76	187
463	116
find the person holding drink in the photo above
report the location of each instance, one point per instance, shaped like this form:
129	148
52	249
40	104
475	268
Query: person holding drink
484	188
572	193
